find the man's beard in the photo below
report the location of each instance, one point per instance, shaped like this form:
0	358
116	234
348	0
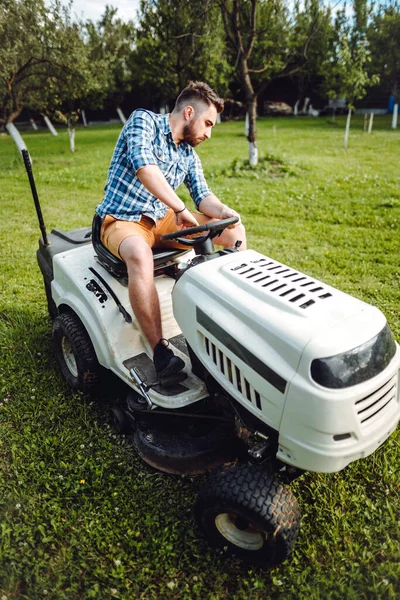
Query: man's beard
189	136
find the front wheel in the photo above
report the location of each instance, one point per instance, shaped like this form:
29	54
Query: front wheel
248	513
75	353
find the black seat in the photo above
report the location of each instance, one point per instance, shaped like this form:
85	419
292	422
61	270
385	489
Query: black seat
162	256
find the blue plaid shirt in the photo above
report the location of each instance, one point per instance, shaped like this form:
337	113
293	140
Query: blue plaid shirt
146	139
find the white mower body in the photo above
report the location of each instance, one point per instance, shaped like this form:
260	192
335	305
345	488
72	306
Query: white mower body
119	345
256	326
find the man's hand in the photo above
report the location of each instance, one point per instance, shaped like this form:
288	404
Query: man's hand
212	207
227	213
185	219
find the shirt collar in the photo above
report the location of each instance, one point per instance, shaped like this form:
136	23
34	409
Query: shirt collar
165	126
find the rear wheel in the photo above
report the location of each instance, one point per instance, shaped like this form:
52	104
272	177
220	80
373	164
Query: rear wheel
75	353
248	513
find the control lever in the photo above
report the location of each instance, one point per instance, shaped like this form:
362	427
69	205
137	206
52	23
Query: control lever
162	382
142	386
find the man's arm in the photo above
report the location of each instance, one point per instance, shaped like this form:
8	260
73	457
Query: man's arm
205	200
213	207
139	133
154	181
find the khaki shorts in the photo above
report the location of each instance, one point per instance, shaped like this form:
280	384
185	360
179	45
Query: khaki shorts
114	231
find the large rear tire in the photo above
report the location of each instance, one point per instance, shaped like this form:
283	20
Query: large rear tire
248	513
75	353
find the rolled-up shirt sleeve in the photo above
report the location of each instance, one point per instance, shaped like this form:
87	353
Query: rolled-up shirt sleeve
195	180
140	130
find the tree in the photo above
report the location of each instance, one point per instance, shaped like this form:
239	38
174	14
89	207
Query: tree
110	43
265	44
346	66
44	61
383	35
81	83
312	30
178	41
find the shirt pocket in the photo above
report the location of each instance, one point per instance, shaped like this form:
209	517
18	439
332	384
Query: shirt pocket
181	168
163	160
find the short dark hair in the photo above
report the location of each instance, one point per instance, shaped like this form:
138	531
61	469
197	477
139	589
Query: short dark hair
200	92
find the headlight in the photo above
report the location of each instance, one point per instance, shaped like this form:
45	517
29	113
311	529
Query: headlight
357	365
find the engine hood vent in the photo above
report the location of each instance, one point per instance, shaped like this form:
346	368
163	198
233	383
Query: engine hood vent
275	278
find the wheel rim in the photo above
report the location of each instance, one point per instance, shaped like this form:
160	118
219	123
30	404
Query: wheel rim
69	357
239	532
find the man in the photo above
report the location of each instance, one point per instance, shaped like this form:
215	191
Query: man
153	156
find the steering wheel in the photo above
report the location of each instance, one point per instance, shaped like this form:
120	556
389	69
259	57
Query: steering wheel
213	228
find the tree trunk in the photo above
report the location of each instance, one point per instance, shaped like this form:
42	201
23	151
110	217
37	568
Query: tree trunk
71	133
251	103
50	125
395	114
17	137
347	131
121	116
13	115
252	137
371	120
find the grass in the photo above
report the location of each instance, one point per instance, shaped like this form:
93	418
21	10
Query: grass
81	515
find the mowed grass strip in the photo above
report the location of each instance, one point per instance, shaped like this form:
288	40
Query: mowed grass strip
81	515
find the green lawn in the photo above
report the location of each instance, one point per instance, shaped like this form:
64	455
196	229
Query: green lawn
81	515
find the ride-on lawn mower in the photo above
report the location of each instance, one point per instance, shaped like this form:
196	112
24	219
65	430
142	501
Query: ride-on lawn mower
283	373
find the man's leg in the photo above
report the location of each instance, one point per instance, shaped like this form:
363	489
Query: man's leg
138	256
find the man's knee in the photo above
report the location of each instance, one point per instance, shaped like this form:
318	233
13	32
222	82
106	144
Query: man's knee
135	252
231	236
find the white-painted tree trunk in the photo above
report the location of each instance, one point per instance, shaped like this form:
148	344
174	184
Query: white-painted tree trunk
296	108
246	125
371	120
395	114
50	125
17	137
347	130
253	154
71	133
34	126
162	110
218	118
85	124
121	116
304	109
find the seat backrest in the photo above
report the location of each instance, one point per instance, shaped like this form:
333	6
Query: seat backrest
106	258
